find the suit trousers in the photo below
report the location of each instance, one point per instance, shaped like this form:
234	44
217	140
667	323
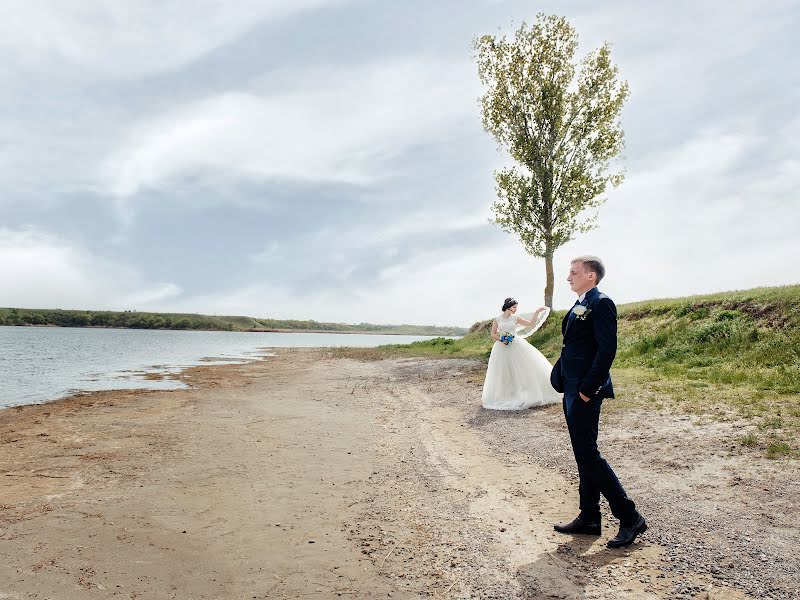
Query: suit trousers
596	475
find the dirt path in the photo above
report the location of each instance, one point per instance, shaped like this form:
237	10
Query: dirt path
302	476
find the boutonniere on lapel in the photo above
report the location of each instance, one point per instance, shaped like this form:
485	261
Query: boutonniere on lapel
581	312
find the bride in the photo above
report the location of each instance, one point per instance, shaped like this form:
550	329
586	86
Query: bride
518	375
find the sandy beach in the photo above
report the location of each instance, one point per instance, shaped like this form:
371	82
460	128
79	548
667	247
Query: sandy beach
304	475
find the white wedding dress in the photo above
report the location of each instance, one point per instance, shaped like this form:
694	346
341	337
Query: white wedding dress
518	375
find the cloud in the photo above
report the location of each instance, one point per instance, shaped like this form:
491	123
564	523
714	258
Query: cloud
359	254
75	73
439	287
336	126
699	217
333	166
42	270
704	37
129	40
272	253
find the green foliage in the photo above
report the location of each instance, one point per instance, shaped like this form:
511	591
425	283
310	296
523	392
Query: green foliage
749	440
729	353
559	122
144	320
473	345
183	324
311	325
771	423
778	449
749	338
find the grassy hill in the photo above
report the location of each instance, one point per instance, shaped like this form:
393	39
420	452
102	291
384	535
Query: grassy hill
733	355
146	320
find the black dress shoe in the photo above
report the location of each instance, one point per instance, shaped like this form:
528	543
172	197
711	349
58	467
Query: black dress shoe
578	526
626	535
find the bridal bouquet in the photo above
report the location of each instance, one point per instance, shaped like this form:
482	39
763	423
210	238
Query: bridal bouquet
506	338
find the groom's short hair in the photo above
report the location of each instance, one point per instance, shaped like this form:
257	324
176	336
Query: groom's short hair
594	264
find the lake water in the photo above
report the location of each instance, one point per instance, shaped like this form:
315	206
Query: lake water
38	364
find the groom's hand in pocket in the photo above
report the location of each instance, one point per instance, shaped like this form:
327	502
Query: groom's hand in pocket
584	398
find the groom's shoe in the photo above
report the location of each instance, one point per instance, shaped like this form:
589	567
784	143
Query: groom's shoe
626	535
579	526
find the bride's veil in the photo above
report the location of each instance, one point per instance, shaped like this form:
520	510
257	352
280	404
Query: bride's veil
524	331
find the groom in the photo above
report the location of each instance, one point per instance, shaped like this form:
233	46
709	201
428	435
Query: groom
582	375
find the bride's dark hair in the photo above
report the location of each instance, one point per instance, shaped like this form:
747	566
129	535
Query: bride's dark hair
509	302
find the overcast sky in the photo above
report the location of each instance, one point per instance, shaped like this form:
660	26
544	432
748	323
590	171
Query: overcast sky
325	158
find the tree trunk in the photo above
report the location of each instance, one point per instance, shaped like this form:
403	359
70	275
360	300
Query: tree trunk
548	287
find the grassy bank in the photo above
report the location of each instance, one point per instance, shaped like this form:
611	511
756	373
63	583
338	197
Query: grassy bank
731	356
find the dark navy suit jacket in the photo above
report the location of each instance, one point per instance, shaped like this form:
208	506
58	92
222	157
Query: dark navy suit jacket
590	345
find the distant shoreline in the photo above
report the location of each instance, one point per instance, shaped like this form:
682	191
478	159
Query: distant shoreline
258	330
346	332
198	322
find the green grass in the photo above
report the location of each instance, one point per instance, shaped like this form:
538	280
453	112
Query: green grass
779	449
732	355
476	344
749	440
749	338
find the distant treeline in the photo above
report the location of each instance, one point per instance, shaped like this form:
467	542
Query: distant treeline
146	320
361	327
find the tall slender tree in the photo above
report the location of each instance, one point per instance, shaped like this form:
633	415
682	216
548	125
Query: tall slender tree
560	123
